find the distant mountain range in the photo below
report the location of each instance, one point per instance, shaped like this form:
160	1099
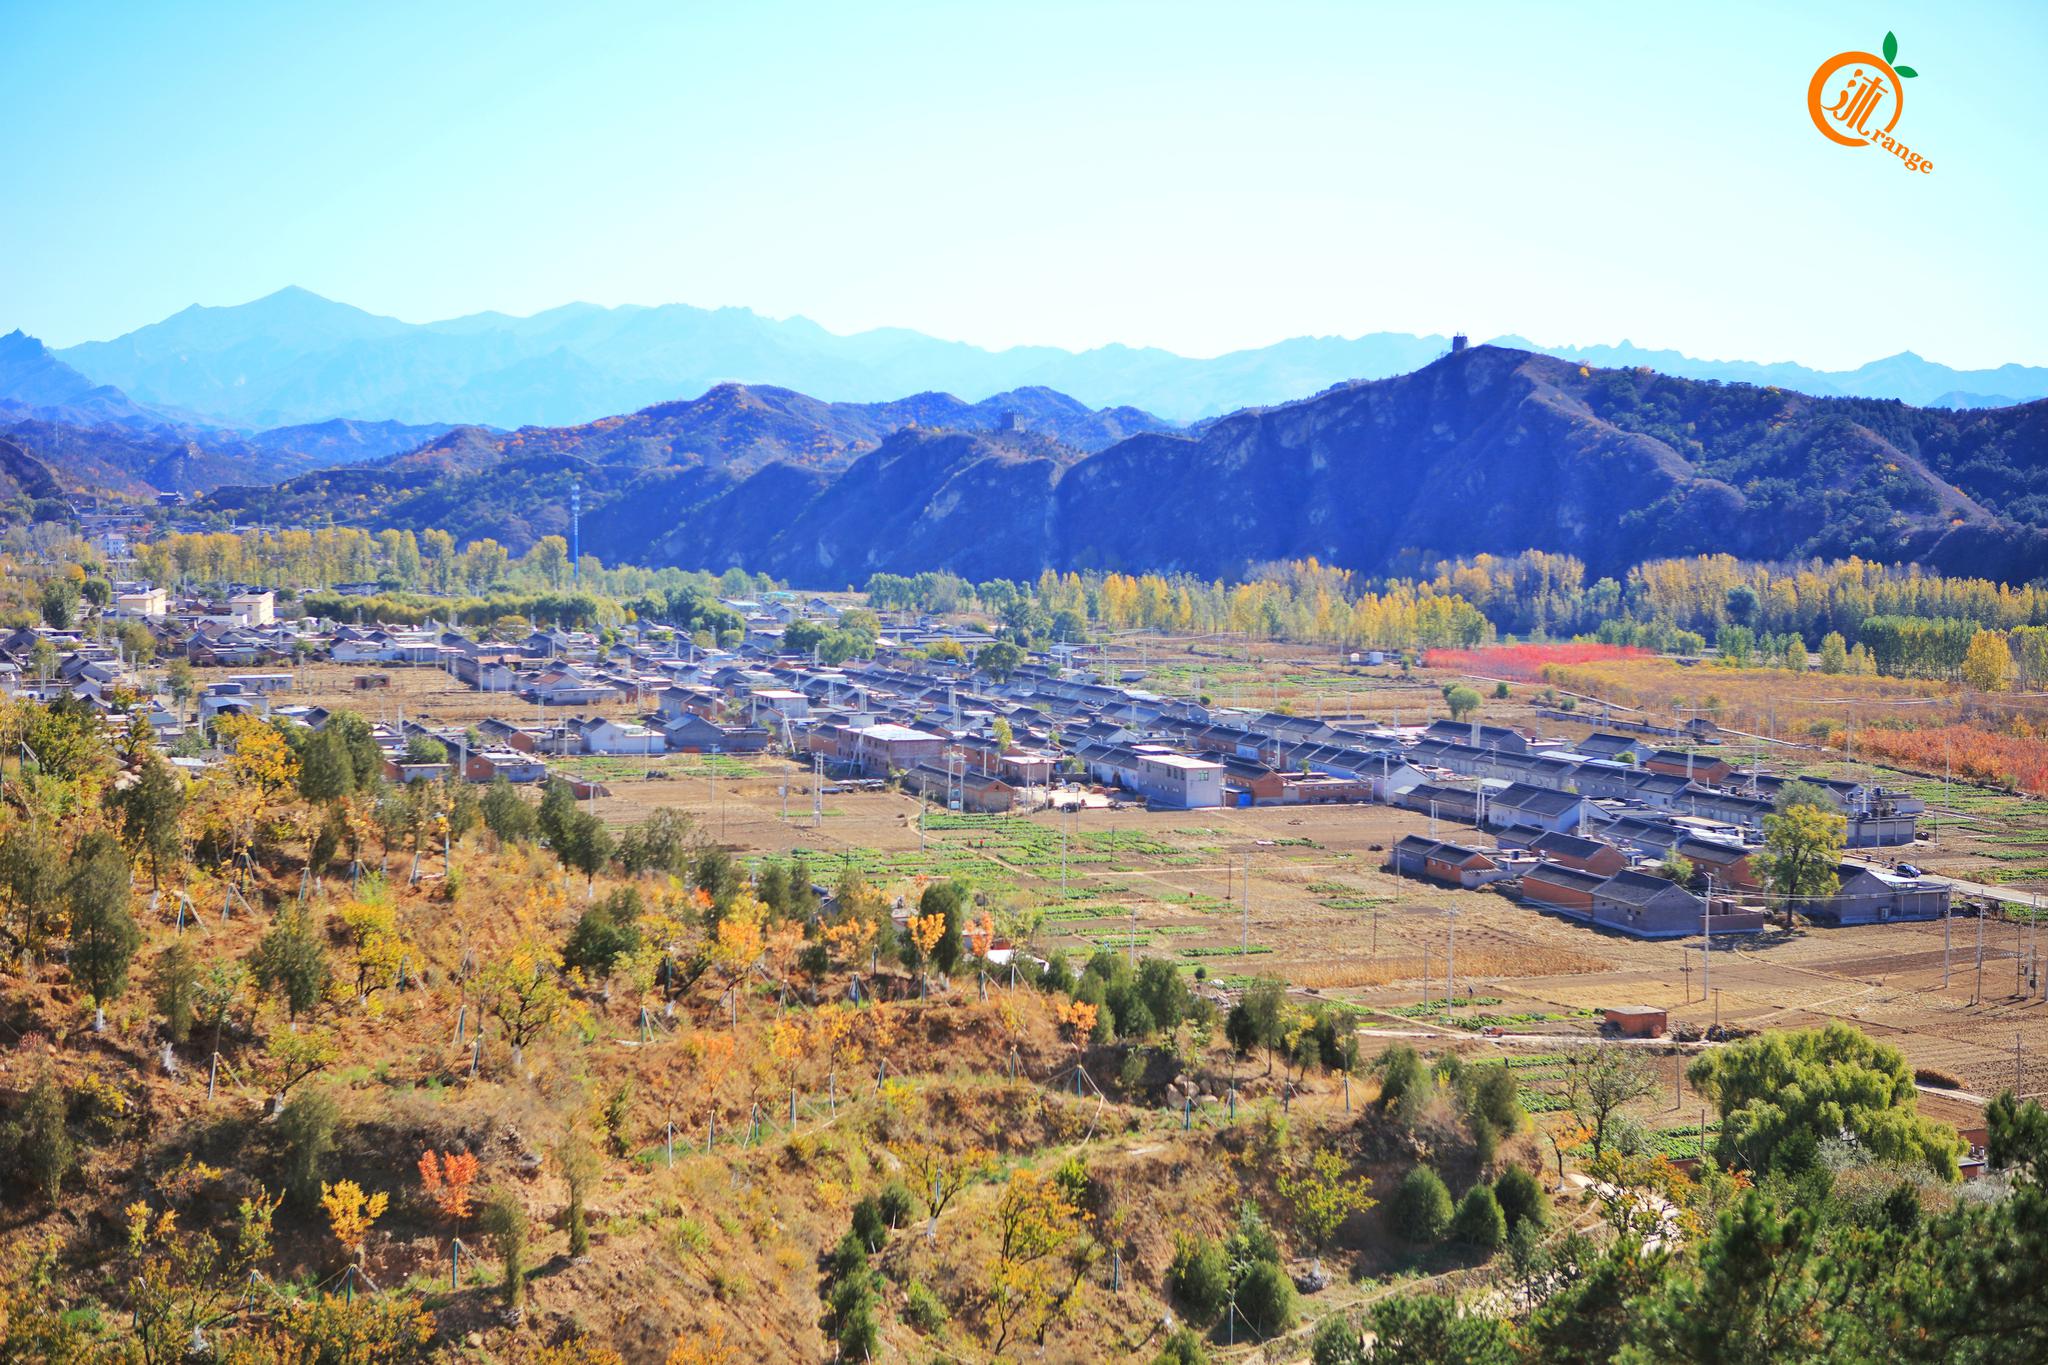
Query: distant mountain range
1492	449
294	357
95	439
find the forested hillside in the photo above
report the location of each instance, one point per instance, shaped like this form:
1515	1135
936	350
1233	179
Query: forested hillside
1489	451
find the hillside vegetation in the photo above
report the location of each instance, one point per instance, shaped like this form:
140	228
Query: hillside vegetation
295	1077
1486	451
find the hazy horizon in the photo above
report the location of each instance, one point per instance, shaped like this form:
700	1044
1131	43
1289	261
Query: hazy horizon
1541	343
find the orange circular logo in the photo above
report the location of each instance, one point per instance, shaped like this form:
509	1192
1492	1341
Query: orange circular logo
1854	95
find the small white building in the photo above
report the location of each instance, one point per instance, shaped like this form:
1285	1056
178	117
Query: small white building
142	600
253	608
617	737
1180	782
779	700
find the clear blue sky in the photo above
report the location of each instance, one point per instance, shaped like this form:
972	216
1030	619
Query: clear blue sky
1200	177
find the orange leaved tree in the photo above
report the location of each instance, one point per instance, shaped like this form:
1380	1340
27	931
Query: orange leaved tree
449	1180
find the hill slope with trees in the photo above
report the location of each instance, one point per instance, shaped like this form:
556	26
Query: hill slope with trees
1489	450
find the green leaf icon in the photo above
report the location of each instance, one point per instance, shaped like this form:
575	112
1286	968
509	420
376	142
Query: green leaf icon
1891	46
1906	71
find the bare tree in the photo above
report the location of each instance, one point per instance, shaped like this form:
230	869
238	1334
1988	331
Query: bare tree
1601	1081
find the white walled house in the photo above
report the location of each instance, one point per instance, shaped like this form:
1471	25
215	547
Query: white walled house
617	737
1180	782
253	608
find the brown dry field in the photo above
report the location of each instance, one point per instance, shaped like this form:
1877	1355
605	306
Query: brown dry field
1182	878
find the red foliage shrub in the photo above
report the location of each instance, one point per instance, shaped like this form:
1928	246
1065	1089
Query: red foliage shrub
1983	756
1525	663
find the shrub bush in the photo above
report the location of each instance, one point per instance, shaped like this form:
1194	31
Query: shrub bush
1199	1277
1182	1348
1479	1221
922	1309
1336	1342
1422	1206
868	1224
305	1128
1521	1198
1265	1298
606	932
43	1152
504	1222
897	1203
1404	1083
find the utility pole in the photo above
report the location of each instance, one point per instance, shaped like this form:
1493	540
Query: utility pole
1245	946
1706	955
1977	994
1450	961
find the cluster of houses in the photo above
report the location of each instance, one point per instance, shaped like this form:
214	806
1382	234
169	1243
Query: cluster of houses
1578	824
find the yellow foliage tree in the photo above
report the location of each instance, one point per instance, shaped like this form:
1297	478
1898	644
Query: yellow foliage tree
526	993
850	940
938	1173
378	948
1076	1019
1042	1251
350	1212
257	753
925	931
1987	664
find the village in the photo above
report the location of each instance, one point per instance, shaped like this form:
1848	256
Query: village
1588	825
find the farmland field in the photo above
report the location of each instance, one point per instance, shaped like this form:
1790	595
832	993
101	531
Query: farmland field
1318	910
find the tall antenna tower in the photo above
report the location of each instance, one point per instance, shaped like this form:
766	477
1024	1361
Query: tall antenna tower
576	533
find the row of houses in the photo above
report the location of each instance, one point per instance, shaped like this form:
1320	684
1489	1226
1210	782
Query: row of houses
1621	888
